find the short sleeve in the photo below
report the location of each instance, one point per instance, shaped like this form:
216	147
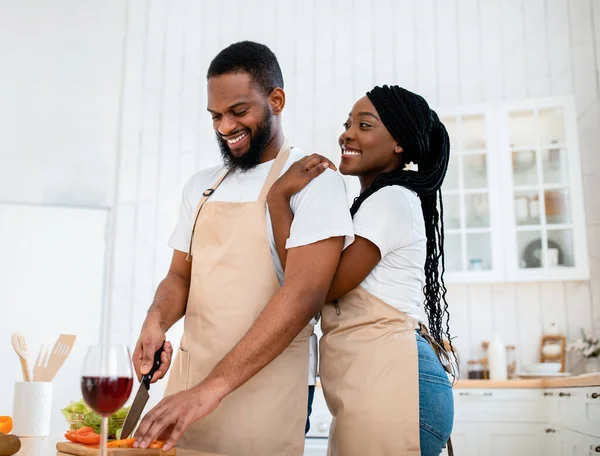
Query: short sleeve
321	212
386	218
180	237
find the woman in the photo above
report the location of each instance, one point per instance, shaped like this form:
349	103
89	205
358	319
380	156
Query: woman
386	388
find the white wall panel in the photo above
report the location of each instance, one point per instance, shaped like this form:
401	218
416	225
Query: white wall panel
513	49
331	52
469	57
447	51
537	67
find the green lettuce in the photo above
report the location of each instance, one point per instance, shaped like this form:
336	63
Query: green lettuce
80	415
74	409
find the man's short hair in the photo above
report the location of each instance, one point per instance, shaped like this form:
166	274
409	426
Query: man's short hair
255	59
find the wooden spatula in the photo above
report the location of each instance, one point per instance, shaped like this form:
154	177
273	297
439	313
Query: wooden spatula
18	343
59	354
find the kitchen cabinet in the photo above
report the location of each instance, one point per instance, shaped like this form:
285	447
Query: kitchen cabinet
577	409
463	442
513	200
500	421
498	439
552	421
574	416
571	443
315	447
471	197
551	443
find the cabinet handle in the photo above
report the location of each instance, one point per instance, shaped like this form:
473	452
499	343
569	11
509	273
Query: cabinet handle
561	394
546	394
550	431
595	448
593	395
486	394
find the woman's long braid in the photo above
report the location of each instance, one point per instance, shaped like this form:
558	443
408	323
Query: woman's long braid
425	141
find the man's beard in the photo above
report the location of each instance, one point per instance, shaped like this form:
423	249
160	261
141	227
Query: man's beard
258	142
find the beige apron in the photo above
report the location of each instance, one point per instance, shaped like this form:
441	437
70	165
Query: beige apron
232	280
370	376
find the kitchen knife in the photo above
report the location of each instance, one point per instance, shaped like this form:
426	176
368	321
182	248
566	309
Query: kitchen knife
141	397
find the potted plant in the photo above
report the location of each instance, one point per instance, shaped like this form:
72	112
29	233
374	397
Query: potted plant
589	347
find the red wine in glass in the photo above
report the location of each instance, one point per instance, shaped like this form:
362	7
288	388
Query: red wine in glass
106	382
106	395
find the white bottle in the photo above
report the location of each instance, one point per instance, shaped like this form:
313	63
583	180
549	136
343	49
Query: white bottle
497	359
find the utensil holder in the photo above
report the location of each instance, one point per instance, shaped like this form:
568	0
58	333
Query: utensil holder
32	409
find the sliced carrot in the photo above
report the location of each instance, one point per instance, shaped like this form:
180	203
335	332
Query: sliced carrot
156	444
123	443
89	439
85	435
6	424
71	437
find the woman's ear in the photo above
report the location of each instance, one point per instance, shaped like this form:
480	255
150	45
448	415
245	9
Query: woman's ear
398	149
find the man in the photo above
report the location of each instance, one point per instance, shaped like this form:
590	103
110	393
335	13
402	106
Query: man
239	382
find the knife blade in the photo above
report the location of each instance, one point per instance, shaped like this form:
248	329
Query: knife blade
141	398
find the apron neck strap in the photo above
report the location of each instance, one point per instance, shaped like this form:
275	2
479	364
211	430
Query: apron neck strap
207	193
276	168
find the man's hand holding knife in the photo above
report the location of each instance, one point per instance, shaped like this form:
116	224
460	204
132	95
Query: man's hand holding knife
151	340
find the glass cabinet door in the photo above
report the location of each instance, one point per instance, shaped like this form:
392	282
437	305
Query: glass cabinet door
541	188
466	195
513	194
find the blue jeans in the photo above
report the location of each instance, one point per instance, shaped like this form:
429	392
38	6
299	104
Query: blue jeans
436	403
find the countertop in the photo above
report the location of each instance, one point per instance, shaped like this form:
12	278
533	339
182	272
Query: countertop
46	446
556	382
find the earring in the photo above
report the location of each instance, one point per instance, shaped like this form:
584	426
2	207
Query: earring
411	167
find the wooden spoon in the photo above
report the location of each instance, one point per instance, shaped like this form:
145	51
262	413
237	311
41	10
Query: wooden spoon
18	343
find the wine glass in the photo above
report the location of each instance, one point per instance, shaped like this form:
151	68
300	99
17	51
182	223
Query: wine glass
106	383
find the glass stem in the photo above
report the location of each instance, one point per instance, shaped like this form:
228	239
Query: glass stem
104	436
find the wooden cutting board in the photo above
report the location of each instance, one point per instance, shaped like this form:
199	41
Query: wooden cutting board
69	448
78	449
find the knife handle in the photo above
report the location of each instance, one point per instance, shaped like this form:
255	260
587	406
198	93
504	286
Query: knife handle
155	365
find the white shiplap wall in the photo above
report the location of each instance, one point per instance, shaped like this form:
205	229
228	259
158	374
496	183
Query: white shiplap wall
60	79
331	51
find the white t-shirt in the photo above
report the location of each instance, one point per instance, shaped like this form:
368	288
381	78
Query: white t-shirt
392	219
320	209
